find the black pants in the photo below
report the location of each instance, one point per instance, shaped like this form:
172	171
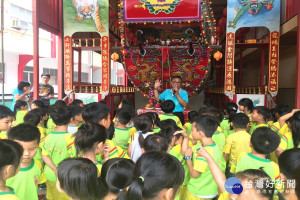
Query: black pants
180	116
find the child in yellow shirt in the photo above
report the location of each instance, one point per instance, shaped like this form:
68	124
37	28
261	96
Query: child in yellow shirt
11	153
6	120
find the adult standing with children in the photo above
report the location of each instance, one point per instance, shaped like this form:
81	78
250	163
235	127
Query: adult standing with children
176	94
22	92
46	91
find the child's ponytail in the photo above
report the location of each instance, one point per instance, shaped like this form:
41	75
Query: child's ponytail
18	105
136	189
116	175
87	135
143	123
150	174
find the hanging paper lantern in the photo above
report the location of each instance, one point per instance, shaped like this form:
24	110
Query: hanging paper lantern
218	30
222	22
225	12
218	55
115	56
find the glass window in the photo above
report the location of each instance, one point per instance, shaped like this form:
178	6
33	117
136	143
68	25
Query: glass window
23	24
22	14
25	76
28	74
53	75
14	10
29	16
84	77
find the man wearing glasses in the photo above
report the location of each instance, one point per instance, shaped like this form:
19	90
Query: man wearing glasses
46	91
176	94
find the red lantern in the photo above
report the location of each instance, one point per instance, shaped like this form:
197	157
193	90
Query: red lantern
219	30
225	12
222	22
218	55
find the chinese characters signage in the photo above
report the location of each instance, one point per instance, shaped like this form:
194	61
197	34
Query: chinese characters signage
105	64
229	65
273	64
152	10
68	66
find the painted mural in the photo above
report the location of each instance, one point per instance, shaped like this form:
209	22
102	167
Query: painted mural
85	16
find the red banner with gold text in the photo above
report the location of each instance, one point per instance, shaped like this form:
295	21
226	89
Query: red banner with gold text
229	65
273	63
105	65
68	63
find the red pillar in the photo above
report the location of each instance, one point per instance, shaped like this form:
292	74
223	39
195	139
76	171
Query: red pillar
241	69
60	73
53	46
79	67
297	89
35	23
262	70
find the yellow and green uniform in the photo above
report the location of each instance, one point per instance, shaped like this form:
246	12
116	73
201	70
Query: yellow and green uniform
38	154
114	152
156	130
283	130
250	161
225	125
20	117
270	123
237	143
224	196
188	128
8	195
99	167
286	142
58	146
3	135
280	130
25	182
131	130
121	137
219	138
50	126
176	152
255	126
171	116
204	186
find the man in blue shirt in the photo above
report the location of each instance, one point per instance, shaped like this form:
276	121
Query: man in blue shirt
176	94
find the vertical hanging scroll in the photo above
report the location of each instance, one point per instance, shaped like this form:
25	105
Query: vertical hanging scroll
68	67
273	63
105	66
229	65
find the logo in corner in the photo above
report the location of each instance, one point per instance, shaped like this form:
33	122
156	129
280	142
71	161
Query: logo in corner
233	186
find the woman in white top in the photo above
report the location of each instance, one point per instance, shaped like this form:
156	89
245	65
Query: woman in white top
144	124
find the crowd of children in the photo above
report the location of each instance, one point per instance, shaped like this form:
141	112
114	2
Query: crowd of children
76	153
